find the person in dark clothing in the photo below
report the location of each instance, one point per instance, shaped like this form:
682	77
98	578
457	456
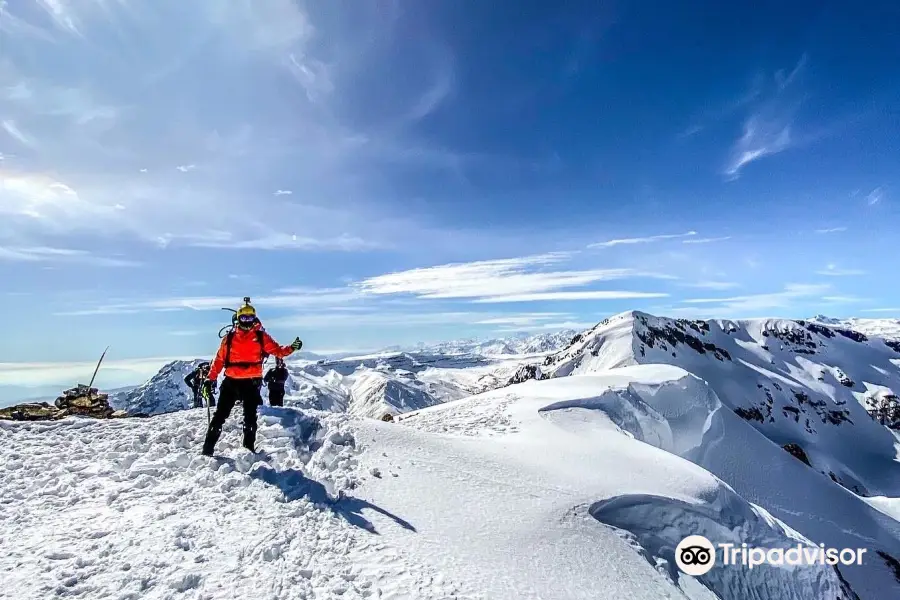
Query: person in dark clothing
241	356
194	381
275	379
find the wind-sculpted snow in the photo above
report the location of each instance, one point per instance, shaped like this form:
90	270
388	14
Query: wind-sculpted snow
669	408
657	524
666	407
798	382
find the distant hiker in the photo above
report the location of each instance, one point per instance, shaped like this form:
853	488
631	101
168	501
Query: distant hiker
194	381
241	355
275	379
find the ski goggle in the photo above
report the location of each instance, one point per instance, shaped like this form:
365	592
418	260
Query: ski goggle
246	319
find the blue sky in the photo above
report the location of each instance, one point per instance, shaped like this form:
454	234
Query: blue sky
378	173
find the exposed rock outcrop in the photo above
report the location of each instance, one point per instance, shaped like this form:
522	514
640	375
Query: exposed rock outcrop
80	401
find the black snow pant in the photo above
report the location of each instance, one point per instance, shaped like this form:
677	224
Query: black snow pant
198	399
276	396
233	390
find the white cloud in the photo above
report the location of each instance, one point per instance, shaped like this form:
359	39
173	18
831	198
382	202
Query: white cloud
96	137
760	139
555	326
640	240
113	372
337	320
707	240
290	298
769	127
503	278
46	254
882	310
835	271
579	295
283	241
831	230
845	299
751	303
523	319
283	192
875	196
713	285
17	134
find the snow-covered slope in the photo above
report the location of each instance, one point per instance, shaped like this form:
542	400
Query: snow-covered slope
796	382
164	392
536	490
886	328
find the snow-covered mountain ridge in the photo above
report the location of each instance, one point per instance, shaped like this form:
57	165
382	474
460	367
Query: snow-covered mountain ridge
571	488
888	329
387	382
802	383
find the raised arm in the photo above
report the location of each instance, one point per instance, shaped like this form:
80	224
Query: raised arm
274	348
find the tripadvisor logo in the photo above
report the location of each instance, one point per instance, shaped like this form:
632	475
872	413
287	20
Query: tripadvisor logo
696	555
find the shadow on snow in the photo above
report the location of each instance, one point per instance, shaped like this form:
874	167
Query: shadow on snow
295	485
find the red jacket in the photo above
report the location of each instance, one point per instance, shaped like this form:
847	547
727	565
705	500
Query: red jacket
248	350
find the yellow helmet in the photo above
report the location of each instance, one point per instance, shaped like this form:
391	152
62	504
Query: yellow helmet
246	310
245	316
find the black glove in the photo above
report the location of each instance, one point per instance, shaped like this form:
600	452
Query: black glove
296	345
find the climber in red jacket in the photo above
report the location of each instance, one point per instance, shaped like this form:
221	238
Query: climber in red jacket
241	354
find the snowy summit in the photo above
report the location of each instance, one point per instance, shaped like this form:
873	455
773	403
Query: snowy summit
576	482
461	300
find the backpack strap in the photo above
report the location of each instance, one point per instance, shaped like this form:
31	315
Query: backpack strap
262	354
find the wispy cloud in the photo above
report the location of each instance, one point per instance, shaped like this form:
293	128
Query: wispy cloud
299	298
707	240
64	255
713	285
114	372
17	134
344	243
504	280
321	72
882	310
835	271
875	196
831	230
641	240
845	299
770	125
753	303
577	295
761	138
523	319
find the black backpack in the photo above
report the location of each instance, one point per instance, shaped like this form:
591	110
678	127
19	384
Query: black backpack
262	353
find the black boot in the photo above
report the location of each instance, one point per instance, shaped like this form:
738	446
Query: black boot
212	436
250	440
